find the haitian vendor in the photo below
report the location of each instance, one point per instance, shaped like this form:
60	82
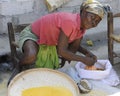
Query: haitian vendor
60	34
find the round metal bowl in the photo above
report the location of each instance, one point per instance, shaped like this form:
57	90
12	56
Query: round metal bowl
38	77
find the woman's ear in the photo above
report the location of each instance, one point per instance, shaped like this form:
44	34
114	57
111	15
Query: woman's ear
83	13
82	10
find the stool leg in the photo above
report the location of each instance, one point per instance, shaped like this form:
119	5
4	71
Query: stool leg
110	40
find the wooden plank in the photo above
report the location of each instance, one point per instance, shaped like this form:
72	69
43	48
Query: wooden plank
110	40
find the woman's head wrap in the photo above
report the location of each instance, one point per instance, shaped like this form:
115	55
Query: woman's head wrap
94	7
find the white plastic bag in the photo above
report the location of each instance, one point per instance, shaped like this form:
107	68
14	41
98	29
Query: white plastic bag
96	74
107	76
112	79
70	70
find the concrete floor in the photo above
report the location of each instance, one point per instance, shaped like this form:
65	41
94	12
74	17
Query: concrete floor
97	35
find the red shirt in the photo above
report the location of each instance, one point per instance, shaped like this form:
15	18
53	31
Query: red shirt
48	27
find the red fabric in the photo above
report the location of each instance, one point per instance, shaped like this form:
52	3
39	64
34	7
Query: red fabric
48	27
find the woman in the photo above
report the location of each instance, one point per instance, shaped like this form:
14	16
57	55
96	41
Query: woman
64	32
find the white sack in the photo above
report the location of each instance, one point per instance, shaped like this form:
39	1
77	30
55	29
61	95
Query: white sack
108	75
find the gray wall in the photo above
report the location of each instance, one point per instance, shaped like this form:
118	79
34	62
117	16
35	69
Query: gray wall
26	11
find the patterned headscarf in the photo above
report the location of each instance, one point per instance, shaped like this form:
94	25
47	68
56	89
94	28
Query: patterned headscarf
94	7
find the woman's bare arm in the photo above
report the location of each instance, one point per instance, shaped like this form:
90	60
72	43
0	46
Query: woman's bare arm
63	50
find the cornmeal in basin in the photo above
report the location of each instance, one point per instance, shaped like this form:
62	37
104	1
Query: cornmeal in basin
47	91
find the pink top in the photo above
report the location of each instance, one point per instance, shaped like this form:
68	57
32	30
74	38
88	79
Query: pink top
48	27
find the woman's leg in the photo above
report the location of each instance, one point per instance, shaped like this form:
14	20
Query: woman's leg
30	50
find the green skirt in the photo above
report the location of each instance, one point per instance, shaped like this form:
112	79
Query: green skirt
47	57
